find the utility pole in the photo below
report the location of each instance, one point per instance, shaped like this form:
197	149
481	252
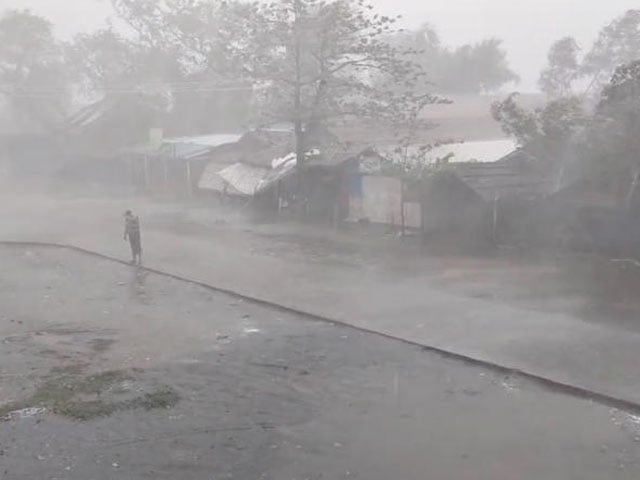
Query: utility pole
298	126
297	104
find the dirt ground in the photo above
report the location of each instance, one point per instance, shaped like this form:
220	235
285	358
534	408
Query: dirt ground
109	372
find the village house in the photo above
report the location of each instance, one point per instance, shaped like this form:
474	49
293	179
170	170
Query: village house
496	202
173	166
468	194
261	169
473	197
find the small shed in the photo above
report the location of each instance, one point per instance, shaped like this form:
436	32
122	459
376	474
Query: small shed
178	163
511	188
254	150
263	164
516	174
383	200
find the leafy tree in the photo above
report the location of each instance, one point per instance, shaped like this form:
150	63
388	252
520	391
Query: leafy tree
32	78
411	160
474	68
200	34
563	69
617	44
196	38
612	141
109	65
516	121
318	62
426	49
169	58
309	62
549	132
478	68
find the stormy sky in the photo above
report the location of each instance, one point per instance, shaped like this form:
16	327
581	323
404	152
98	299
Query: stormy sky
527	27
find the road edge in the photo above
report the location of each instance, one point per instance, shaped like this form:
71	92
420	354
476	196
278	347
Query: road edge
549	383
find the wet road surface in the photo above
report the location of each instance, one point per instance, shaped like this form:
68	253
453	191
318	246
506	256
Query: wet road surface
563	318
265	394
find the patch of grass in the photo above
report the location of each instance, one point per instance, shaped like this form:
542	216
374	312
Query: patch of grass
165	398
86	410
89	397
101	345
100	382
74	369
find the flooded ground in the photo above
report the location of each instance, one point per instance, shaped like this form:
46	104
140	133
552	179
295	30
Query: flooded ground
111	372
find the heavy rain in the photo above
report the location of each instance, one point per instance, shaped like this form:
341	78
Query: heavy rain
319	240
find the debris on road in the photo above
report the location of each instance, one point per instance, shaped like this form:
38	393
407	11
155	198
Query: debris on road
24	413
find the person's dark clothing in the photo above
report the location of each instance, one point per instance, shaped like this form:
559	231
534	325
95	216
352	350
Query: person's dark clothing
132	232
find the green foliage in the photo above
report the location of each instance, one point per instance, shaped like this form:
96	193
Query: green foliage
602	146
477	68
89	397
173	59
516	121
618	43
309	62
546	132
319	61
413	164
107	65
32	74
612	141
563	69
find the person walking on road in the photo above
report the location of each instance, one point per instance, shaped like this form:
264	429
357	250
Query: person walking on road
132	233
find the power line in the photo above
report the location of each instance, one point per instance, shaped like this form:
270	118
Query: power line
150	88
122	92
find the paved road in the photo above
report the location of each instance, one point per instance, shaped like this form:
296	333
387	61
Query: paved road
266	395
532	316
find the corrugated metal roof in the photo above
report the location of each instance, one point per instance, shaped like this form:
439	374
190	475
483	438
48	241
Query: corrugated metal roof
256	148
261	147
183	151
242	179
211	179
248	165
213	140
245	179
498	179
90	113
479	151
275	175
189	148
334	155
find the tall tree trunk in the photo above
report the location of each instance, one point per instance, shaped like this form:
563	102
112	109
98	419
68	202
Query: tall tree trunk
298	123
298	87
